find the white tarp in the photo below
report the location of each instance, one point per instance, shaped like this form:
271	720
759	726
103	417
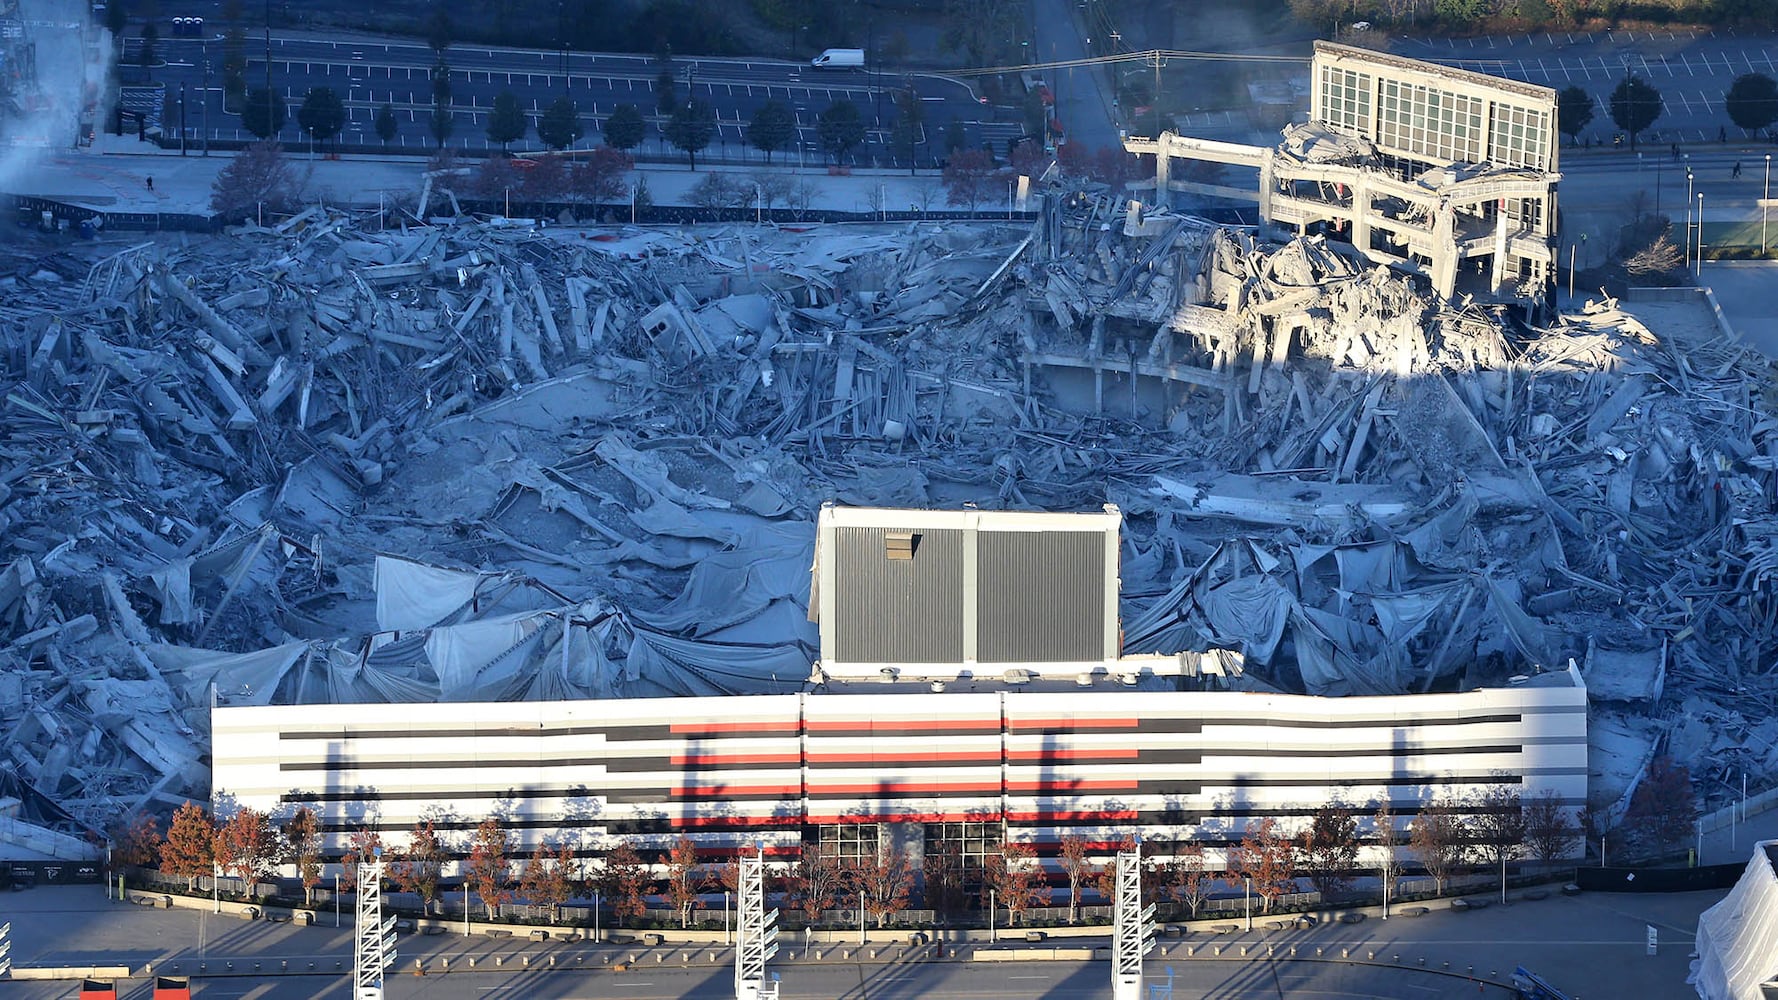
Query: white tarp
458	653
413	595
244	678
1737	943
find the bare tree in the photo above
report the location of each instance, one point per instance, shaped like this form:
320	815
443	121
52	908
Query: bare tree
1660	256
1330	849
1550	827
1437	837
945	891
256	182
1188	880
1388	854
1663	808
1497	827
1080	870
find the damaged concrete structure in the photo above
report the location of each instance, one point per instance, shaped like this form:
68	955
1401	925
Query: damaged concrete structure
1444	172
452	468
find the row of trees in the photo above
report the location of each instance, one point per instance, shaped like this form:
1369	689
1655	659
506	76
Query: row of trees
1635	105
1519	15
1488	829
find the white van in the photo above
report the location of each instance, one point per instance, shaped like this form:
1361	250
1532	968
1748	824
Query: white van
839	59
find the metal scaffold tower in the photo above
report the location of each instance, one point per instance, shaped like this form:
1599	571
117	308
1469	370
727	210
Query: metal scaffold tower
1133	932
373	951
756	941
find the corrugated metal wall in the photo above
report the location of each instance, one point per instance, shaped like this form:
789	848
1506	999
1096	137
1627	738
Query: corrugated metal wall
1040	596
898	610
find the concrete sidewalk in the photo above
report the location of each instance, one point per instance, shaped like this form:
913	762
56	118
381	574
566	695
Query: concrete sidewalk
114	174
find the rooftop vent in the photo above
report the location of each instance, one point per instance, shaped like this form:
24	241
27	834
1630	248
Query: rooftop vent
900	545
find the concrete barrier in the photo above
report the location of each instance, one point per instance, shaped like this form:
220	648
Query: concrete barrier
1035	954
71	972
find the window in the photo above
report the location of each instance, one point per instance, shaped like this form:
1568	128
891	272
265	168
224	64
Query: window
848	843
1346	99
1426	121
1521	137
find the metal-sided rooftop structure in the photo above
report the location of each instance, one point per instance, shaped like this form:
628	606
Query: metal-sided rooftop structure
938	593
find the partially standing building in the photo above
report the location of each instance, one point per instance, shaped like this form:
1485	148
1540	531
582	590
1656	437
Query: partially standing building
1443	171
972	688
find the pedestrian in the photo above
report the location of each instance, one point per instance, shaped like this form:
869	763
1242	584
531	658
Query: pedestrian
151	182
1722	133
1737	170
1676	151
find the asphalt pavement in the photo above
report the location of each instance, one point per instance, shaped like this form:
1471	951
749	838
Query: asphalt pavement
1592	945
369	73
1691	69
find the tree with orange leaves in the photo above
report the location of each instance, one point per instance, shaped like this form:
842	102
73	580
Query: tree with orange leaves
625	883
1016	879
189	850
362	844
1268	859
488	865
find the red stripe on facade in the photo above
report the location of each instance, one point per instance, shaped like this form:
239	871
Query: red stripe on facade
971	816
682	760
1041	755
892	726
735	791
1018	724
880	787
785	727
911	756
1087	815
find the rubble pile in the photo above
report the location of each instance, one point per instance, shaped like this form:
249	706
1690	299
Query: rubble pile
323	463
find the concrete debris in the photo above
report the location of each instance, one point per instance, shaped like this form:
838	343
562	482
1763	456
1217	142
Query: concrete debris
479	462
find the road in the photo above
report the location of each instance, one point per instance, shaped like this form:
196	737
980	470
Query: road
1082	104
1223	980
368	74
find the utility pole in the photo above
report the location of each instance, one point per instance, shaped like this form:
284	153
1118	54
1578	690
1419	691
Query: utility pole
268	62
1133	929
373	947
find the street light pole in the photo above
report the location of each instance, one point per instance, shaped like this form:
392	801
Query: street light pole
1700	234
1688	214
1247	898
993	904
1762	208
336	899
